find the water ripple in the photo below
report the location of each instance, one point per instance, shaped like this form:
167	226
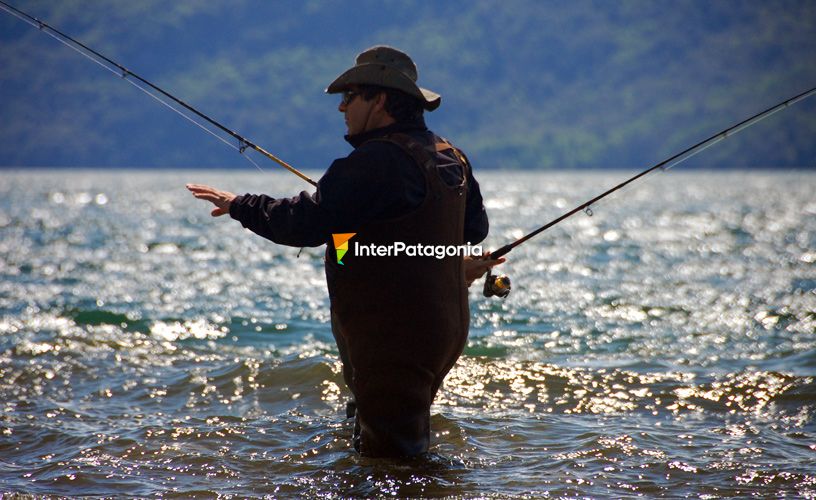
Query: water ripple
664	346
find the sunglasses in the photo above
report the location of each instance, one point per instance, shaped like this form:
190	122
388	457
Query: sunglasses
348	96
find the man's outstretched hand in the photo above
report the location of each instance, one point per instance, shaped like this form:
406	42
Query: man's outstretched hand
221	199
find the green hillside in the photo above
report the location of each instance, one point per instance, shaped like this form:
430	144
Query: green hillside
524	84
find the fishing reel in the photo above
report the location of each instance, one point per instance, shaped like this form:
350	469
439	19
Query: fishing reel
498	286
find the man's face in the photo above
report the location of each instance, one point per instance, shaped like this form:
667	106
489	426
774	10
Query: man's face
357	111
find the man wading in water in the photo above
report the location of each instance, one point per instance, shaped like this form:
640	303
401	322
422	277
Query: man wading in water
401	321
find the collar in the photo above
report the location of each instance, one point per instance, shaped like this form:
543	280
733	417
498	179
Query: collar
417	125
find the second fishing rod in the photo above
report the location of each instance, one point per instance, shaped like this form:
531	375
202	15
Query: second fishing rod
500	286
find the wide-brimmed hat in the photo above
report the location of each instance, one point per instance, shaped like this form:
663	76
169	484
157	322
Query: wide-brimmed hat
386	67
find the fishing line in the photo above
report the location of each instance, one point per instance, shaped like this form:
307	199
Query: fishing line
125	74
500	285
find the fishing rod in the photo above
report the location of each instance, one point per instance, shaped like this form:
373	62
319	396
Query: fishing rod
130	76
500	285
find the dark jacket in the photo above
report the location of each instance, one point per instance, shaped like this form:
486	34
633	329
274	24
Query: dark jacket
376	181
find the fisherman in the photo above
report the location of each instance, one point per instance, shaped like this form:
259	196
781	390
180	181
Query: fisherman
401	321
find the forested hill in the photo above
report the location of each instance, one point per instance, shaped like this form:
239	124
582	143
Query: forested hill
535	84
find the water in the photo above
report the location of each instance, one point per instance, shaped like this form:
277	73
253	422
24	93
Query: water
665	346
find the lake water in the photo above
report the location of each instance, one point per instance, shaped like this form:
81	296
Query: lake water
665	346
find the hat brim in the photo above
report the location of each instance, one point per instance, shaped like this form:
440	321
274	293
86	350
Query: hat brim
384	76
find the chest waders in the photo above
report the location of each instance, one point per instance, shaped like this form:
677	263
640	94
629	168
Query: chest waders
401	321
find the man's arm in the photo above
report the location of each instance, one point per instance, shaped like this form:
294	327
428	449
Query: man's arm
362	187
476	223
476	228
287	221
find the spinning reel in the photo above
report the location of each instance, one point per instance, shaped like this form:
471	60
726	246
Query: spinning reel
498	286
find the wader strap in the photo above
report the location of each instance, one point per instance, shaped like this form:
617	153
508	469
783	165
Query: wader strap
444	145
422	155
414	149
